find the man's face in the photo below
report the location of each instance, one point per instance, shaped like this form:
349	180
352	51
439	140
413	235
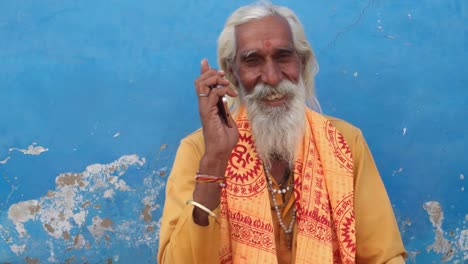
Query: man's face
266	55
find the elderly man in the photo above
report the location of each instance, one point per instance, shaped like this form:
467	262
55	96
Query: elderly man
283	184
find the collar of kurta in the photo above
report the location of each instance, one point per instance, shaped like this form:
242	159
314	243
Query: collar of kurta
323	190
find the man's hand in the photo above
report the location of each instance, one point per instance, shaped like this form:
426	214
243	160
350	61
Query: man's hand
219	138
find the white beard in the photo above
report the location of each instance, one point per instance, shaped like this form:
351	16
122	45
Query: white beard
278	129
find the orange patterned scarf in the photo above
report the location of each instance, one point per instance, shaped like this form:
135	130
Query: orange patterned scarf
323	188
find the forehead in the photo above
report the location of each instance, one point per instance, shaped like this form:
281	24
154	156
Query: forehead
264	33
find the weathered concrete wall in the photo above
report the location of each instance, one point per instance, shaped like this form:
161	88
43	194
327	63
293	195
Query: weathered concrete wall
95	96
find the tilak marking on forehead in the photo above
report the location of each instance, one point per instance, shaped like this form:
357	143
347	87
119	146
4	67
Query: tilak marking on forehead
267	44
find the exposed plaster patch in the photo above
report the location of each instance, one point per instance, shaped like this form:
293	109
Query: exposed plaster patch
66	208
146	214
31	150
149	200
31	260
162	147
69	179
109	193
404	224
162	172
24	211
85	204
79	218
412	256
440	245
146	236
51	258
5	160
463	240
79	241
99	227
18	250
66	235
400	170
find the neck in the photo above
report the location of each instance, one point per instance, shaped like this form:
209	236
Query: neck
278	169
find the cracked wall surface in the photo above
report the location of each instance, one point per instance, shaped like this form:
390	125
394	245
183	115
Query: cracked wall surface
96	96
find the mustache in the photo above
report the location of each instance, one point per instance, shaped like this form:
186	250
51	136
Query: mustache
263	90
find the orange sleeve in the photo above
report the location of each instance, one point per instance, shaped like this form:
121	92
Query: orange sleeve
378	238
181	240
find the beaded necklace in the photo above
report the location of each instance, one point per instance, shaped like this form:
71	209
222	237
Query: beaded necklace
287	192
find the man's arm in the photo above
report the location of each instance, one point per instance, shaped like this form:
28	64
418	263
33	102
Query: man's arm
181	239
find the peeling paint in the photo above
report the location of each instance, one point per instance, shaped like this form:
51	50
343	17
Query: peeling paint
163	146
69	179
400	170
75	215
51	258
18	250
99	227
162	171
31	150
31	260
146	213
70	259
79	241
23	211
62	209
440	245
404	224
412	256
109	193
463	240
5	160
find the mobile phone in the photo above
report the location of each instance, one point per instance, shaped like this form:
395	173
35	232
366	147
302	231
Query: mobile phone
223	109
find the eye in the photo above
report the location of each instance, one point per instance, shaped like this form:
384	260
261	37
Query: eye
284	56
252	61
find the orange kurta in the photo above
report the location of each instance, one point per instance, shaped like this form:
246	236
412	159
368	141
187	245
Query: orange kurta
181	241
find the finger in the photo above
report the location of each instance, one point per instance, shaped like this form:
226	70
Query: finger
214	81
232	93
201	83
216	93
204	66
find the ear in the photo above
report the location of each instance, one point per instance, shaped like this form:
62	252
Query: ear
303	63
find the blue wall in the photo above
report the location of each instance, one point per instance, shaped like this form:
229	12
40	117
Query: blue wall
95	96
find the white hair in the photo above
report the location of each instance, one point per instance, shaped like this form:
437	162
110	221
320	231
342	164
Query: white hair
278	129
227	46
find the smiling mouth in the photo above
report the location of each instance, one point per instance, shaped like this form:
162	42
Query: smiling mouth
274	97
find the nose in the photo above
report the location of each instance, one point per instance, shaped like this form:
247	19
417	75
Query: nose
271	73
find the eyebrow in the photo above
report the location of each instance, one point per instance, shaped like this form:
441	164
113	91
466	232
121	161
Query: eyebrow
247	54
244	55
285	49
